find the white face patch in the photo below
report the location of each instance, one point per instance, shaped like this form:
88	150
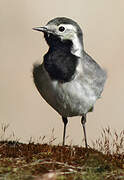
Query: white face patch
68	27
70	33
77	47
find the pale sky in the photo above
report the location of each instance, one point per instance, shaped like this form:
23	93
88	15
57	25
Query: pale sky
21	105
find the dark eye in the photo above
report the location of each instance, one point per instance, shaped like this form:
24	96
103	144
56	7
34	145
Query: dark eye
61	28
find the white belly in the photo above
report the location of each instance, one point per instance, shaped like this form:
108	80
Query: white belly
72	98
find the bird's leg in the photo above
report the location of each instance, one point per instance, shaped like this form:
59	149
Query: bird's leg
65	121
83	121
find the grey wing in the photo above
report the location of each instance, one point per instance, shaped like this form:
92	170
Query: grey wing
94	74
37	68
38	76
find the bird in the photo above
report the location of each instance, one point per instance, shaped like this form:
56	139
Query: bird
68	79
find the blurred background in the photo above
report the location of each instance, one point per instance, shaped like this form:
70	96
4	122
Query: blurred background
20	103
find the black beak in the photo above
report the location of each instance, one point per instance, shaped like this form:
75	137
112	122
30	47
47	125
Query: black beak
41	29
44	30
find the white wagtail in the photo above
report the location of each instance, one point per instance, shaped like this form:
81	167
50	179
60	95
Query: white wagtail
68	79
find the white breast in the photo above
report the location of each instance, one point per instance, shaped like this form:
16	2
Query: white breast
68	99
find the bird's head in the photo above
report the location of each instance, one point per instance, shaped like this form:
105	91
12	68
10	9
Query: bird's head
61	30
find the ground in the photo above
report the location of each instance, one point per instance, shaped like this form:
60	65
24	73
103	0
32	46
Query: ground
45	161
42	161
